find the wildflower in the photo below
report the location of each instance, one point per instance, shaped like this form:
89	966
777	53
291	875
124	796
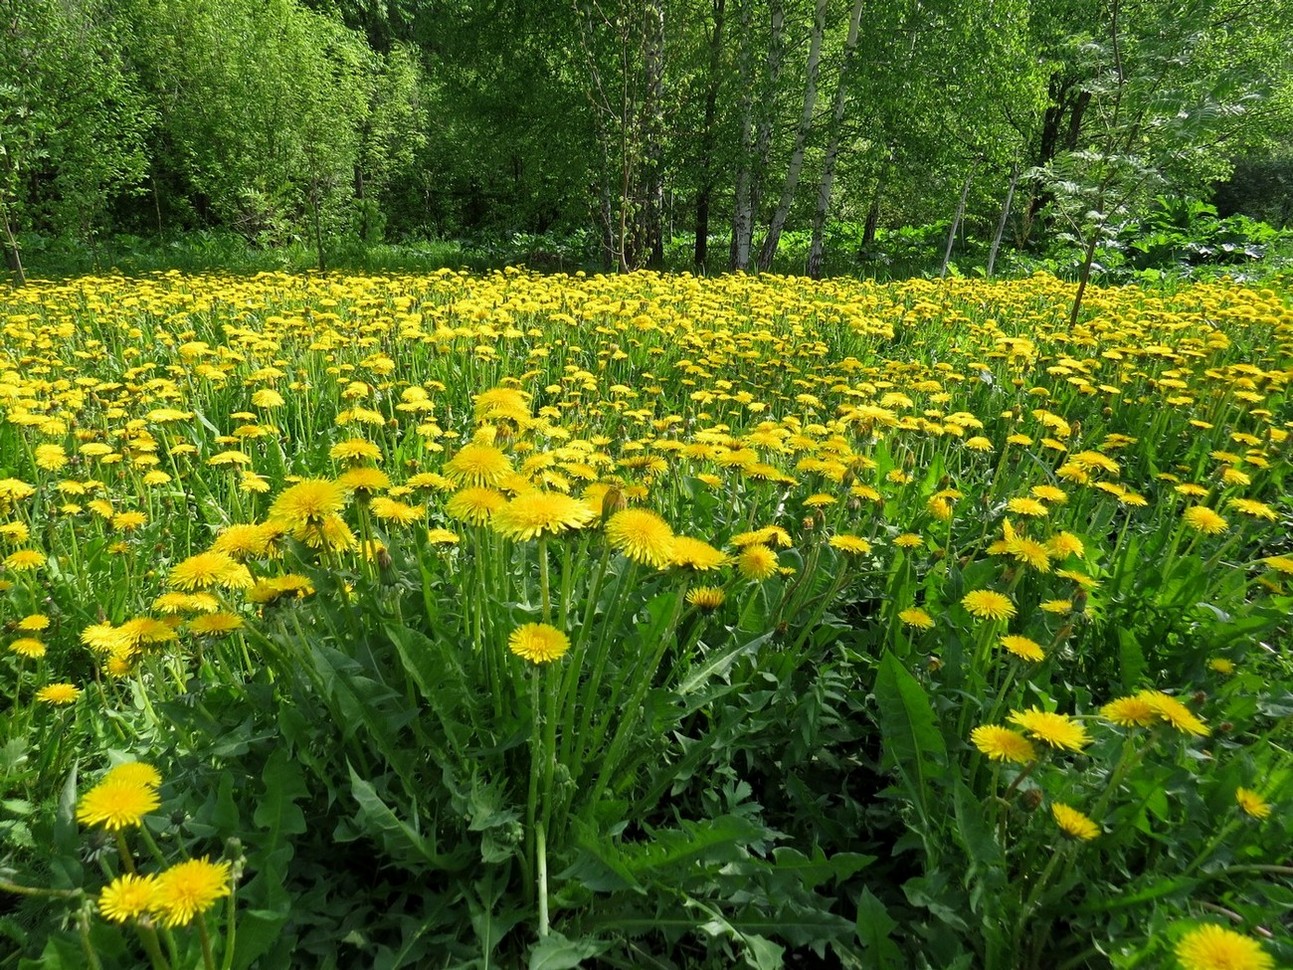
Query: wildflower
1200	518
696	554
1281	564
538	643
25	559
1065	544
1056	606
389	510
988	605
127	897
536	513
475	504
820	500
1212	947
1258	510
642	536
1024	648
34	623
478	464
979	443
1134	711
757	562
364	480
1174	713
1030	552
442	537
1074	823
215	624
242	540
915	616
128	521
1222	666
116	804
267	398
850	545
28	647
354	450
134	773
1002	744
706	598
189	888
1027	507
1057	730
1252	803
909	540
208	569
308	502
58	694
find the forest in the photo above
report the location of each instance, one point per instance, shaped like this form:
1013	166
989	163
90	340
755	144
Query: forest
812	136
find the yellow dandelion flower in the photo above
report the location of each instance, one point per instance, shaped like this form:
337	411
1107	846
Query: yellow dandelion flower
134	773
850	545
189	888
1281	564
1027	507
1200	518
1252	803
209	569
1074	823
1002	744
308	502
1024	648
1056	606
1065	544
1175	713
534	514
909	540
985	604
116	804
478	464
538	643
215	624
28	647
388	510
1134	711
642	536
697	554
475	504
364	480
1057	730
442	537
1222	666
355	449
127	897
58	694
1212	947
757	562
24	559
1258	510
915	616
706	598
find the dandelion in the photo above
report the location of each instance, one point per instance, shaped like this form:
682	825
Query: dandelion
1281	564
986	604
478	464
757	562
1074	823
58	694
1024	648
1175	713
475	505
208	569
1027	507
1212	947
915	616
642	536
909	540
1057	730
442	537
215	624
707	598
127	897
24	560
697	554
1258	510
1200	518
1222	666
1056	606
1002	744
188	889
388	510
355	450
134	773
364	480
1134	711
534	514
1252	803
538	643
850	545
116	804
28	647
308	502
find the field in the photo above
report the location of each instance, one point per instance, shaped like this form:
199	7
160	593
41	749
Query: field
644	621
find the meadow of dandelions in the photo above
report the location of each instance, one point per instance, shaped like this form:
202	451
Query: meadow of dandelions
465	620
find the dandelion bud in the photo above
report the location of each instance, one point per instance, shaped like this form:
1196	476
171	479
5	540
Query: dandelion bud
809	523
613	501
383	559
1199	697
1225	727
935	664
854	503
1032	799
1079	600
782	627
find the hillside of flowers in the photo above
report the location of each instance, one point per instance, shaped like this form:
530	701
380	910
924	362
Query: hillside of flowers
644	621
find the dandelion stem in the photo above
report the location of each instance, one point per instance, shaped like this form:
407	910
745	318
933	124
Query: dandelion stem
83	930
208	958
542	850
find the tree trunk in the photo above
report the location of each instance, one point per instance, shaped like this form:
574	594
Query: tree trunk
769	247
1087	260
653	133
873	213
738	256
956	222
833	148
1005	217
12	254
744	242
707	139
